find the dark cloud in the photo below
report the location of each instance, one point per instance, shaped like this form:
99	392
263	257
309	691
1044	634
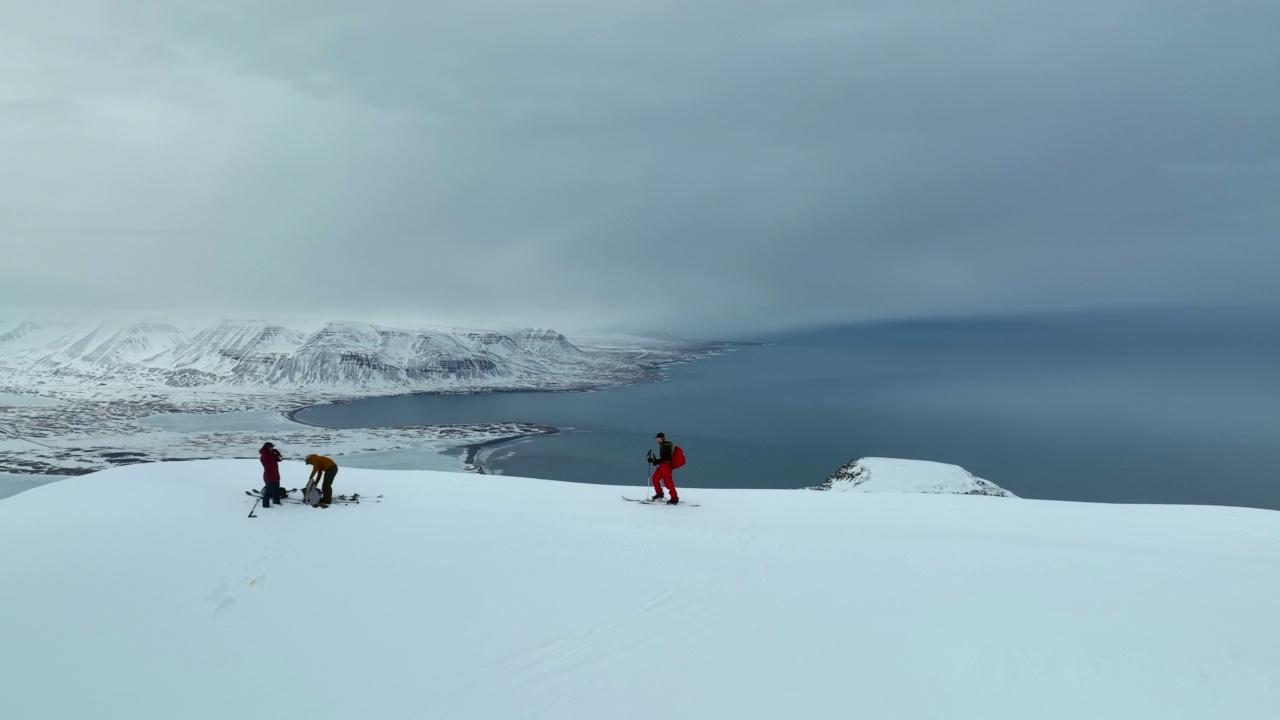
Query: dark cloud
707	166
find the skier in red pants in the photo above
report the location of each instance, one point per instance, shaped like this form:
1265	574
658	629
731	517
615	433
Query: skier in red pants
663	470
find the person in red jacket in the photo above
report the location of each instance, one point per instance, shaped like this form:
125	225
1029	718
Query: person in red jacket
663	470
270	458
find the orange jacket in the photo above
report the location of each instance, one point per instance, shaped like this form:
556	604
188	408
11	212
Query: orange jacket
320	463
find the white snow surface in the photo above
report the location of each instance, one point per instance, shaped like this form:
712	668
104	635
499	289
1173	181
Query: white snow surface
875	474
12	484
25	400
97	360
82	396
145	592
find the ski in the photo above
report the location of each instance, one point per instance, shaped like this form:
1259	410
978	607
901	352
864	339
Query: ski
298	501
257	496
658	502
354	497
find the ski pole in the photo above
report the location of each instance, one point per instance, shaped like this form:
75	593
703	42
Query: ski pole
647	479
255	507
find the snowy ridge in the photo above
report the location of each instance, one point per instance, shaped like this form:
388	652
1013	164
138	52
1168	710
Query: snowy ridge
873	474
75	397
338	355
27	334
144	592
547	343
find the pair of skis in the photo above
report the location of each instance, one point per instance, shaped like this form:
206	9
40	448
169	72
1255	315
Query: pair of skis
645	501
353	499
311	496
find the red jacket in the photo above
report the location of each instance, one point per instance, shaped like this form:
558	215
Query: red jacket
270	458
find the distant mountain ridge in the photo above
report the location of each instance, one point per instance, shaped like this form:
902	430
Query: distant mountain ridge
345	355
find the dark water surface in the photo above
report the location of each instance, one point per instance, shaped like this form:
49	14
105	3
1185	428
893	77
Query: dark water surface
1169	407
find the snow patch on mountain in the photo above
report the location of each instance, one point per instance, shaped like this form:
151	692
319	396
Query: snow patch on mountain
17	337
891	475
346	357
26	400
74	396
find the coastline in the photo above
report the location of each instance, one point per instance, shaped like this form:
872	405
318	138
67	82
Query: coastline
76	436
472	450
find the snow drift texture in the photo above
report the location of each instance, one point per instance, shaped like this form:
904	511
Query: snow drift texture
145	592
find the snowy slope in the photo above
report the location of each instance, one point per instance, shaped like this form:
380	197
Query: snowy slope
911	476
75	397
547	343
349	357
144	592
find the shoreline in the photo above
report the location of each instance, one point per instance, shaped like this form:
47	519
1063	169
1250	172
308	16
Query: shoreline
470	450
473	449
117	434
651	374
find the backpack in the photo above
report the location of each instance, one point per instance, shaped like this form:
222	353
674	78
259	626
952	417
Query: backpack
677	458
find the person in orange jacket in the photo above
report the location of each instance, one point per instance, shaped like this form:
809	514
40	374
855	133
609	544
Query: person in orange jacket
321	465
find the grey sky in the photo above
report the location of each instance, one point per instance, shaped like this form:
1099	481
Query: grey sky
706	166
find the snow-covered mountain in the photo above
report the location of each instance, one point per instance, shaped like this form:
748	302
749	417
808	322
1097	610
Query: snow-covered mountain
343	355
137	593
75	397
872	474
547	343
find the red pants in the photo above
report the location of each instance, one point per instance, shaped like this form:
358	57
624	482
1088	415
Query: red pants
663	473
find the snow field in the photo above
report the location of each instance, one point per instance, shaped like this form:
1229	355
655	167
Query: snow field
145	592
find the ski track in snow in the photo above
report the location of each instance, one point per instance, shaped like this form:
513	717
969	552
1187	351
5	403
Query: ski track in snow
142	593
630	630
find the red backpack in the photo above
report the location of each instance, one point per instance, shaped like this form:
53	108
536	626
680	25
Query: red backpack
677	458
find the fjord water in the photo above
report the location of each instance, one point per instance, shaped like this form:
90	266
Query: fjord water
1165	407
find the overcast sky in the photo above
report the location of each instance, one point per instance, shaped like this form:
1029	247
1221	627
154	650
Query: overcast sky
703	166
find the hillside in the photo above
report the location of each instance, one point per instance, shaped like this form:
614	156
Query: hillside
238	356
145	592
78	397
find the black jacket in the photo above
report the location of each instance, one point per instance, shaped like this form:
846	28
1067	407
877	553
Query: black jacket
664	452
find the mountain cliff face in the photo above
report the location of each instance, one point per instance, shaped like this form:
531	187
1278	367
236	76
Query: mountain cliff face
908	476
547	343
344	355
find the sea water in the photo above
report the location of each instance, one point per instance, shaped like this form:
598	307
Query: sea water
1135	406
